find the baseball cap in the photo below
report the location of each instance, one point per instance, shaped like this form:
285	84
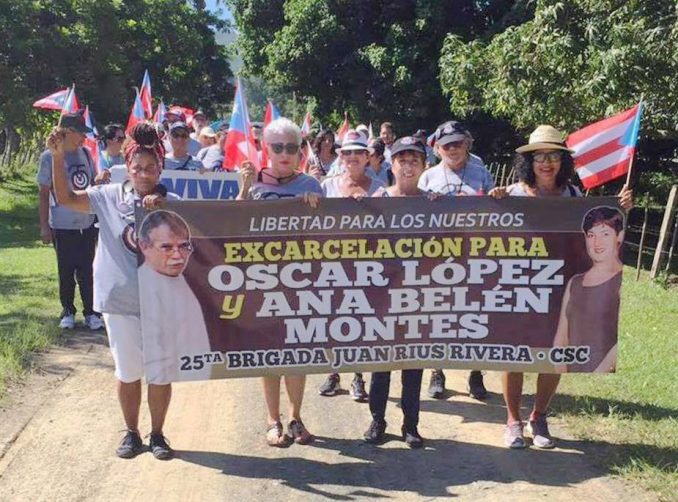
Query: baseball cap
75	121
178	125
177	112
450	131
407	144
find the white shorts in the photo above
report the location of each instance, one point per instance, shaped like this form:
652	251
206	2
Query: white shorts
124	338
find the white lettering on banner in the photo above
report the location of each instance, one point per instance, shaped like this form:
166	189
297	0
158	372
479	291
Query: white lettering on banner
191	185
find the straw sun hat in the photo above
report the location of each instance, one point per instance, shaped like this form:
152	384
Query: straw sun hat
544	137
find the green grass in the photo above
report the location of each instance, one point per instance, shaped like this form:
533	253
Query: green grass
29	299
632	415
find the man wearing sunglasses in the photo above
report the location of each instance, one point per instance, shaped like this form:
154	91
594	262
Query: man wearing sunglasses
458	173
179	158
173	322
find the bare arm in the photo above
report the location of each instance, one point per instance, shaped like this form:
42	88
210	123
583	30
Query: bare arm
247	174
77	200
561	337
43	211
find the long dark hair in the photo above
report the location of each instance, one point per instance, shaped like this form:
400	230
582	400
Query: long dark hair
524	170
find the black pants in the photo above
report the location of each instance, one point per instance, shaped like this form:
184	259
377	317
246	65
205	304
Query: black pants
75	254
409	399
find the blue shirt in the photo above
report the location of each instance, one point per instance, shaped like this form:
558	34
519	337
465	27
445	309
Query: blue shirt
472	179
107	161
80	174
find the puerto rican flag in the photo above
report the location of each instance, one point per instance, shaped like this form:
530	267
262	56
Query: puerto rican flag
239	145
91	142
136	115
270	114
145	93
160	112
54	101
604	150
306	125
343	129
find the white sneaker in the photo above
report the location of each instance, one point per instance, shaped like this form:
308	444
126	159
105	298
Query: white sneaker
93	322
67	322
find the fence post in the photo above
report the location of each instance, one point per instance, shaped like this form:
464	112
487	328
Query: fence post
673	245
666	223
642	241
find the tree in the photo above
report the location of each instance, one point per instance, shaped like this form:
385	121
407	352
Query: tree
573	63
375	59
103	47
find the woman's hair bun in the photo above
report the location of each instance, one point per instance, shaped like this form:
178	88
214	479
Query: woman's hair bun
145	135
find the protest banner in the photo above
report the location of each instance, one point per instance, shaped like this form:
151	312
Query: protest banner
191	185
249	288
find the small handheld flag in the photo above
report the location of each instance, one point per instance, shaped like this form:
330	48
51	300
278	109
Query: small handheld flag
239	145
145	94
306	125
54	101
604	150
343	129
160	112
91	142
136	115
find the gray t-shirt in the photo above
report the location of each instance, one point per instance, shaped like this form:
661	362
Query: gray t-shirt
194	146
116	285
80	173
188	163
472	179
297	187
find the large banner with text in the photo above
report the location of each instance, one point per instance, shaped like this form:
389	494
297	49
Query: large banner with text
232	289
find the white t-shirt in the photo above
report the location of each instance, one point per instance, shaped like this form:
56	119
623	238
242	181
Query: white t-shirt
173	326
331	188
116	287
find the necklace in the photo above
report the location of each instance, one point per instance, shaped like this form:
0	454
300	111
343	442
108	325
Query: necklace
282	180
458	186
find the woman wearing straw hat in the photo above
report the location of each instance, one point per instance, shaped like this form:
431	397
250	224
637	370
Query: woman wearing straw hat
544	168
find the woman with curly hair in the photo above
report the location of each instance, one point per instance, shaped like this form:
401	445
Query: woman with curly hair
544	168
116	289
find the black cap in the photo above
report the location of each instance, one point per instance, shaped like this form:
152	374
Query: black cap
75	121
408	144
450	131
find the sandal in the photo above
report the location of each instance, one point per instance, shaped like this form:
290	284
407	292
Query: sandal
275	435
299	433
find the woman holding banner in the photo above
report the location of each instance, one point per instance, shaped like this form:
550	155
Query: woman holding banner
544	168
116	289
408	155
282	180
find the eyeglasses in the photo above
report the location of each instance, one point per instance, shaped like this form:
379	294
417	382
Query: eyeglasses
452	144
184	247
180	135
290	148
542	158
354	152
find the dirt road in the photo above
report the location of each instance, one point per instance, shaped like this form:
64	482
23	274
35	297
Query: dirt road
59	431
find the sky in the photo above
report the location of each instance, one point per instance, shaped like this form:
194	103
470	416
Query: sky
225	13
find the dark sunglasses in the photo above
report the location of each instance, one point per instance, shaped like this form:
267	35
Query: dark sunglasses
290	148
452	144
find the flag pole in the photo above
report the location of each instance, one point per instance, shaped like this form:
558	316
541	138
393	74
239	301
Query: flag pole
628	173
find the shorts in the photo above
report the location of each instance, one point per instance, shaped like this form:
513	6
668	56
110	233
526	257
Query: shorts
124	338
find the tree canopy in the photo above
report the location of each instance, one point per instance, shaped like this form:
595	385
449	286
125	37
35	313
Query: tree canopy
104	47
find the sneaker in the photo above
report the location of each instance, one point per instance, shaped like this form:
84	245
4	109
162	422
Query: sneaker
358	392
67	322
412	437
476	387
539	429
93	322
513	436
276	437
299	433
160	448
331	385
130	446
436	387
375	434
